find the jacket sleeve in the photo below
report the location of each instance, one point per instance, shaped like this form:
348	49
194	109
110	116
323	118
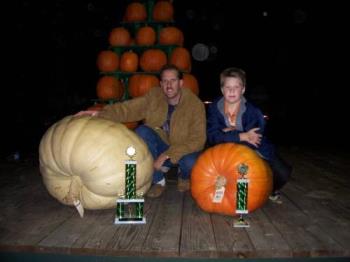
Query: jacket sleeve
252	118
196	139
214	128
127	111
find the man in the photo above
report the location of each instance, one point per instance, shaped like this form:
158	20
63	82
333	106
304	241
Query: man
174	126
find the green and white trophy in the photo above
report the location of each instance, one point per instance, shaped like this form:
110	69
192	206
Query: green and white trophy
242	196
130	205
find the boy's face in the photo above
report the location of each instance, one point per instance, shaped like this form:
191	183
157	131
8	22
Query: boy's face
232	89
171	84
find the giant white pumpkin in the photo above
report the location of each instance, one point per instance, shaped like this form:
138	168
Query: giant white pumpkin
82	160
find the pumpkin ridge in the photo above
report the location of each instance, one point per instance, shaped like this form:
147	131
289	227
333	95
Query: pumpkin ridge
75	140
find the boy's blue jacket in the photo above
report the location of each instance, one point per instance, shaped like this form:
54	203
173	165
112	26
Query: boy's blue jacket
248	117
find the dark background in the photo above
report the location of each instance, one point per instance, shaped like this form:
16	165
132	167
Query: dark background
294	52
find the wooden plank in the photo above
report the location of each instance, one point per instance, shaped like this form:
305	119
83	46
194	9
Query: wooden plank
30	213
322	214
230	241
128	240
164	236
266	239
302	235
197	234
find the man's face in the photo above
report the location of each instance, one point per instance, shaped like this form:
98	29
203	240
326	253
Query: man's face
171	84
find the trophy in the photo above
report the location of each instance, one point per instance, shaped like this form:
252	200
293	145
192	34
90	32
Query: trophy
242	196
130	205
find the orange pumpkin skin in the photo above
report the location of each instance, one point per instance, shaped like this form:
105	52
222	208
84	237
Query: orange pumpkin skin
181	58
146	36
141	84
107	61
163	11
96	107
119	36
135	12
129	62
224	160
109	87
152	60
171	35
131	125
190	82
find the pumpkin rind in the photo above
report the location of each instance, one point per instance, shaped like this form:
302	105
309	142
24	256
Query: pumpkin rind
224	160
82	158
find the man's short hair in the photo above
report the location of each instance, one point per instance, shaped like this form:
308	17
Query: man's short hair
170	67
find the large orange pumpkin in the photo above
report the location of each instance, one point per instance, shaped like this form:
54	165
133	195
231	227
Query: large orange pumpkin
190	82
221	163
181	58
119	36
109	87
140	84
135	12
129	62
146	36
163	11
171	35
152	60
107	61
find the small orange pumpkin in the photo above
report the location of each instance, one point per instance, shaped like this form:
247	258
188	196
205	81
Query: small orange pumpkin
163	11
221	163
109	87
129	61
181	58
107	61
119	36
152	60
190	82
135	12
140	84
146	36
171	35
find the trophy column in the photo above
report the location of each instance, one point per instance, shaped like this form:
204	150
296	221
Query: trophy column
130	205
242	196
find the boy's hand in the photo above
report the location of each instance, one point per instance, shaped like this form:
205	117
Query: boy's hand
251	137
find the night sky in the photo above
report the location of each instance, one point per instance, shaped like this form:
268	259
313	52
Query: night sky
295	54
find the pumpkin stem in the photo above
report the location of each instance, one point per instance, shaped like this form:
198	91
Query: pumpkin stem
220	181
79	207
74	194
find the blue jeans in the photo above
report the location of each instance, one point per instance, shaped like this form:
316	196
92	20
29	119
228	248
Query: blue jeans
157	146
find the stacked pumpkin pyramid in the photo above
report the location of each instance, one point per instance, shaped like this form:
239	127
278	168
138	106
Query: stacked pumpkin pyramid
144	41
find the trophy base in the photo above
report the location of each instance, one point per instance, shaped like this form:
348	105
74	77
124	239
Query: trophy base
130	221
241	222
130	211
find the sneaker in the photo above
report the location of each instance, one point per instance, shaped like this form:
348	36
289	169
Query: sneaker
183	185
276	197
155	191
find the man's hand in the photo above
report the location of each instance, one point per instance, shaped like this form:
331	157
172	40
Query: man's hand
251	137
87	113
160	161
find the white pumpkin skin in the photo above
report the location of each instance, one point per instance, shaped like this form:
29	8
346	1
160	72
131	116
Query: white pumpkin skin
83	158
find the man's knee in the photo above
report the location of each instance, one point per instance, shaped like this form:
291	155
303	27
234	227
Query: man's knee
144	131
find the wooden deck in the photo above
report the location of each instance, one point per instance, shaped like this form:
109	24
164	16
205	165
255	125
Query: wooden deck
314	219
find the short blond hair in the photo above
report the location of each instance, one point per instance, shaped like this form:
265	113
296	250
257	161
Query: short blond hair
233	72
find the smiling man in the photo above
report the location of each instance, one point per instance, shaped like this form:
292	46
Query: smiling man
174	126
